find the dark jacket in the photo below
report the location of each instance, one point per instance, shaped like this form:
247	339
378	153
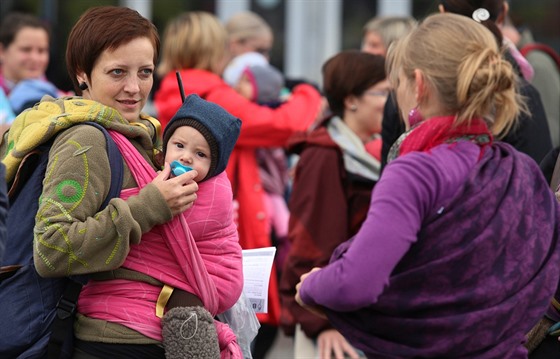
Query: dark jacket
3	209
327	207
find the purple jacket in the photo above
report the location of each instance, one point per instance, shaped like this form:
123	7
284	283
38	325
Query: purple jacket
458	258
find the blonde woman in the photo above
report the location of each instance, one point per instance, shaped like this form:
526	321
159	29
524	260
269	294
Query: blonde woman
381	32
458	254
248	32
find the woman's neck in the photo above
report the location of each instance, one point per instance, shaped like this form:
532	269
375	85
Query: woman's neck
360	131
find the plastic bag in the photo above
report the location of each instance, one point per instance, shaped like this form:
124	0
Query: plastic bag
242	319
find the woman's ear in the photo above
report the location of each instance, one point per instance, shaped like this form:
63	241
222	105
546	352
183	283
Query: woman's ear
350	103
420	87
503	14
81	77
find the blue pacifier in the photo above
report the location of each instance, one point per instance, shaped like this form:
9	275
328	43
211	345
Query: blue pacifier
178	169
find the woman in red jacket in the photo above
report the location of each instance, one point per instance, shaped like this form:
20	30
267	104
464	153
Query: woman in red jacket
190	46
332	189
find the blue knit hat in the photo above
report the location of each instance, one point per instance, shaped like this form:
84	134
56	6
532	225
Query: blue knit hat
218	127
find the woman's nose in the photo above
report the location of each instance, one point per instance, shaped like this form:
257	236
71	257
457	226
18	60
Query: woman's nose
131	85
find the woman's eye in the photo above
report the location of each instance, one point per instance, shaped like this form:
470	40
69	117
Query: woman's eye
117	72
146	72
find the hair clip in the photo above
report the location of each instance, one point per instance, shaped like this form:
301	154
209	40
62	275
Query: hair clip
480	15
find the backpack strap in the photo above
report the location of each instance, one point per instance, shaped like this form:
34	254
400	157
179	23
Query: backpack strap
541	47
62	326
116	164
63	322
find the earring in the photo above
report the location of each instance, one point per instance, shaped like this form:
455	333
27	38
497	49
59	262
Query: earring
414	116
353	108
83	86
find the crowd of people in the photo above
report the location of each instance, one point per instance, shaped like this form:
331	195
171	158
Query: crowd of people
412	198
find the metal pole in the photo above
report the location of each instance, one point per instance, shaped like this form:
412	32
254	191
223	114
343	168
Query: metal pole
226	8
394	8
144	7
313	33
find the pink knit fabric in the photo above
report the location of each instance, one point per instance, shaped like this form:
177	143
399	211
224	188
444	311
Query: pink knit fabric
210	266
524	66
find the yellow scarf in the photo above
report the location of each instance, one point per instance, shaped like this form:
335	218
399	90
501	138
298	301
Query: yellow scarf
49	117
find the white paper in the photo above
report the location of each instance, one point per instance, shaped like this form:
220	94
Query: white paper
257	266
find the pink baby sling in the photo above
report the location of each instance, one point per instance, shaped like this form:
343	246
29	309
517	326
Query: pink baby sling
169	254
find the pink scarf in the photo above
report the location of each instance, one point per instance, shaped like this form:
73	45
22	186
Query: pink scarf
524	66
438	130
210	267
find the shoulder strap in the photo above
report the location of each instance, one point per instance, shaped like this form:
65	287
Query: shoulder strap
554	182
116	164
62	333
61	330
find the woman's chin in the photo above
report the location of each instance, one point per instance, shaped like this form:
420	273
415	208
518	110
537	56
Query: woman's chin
130	116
